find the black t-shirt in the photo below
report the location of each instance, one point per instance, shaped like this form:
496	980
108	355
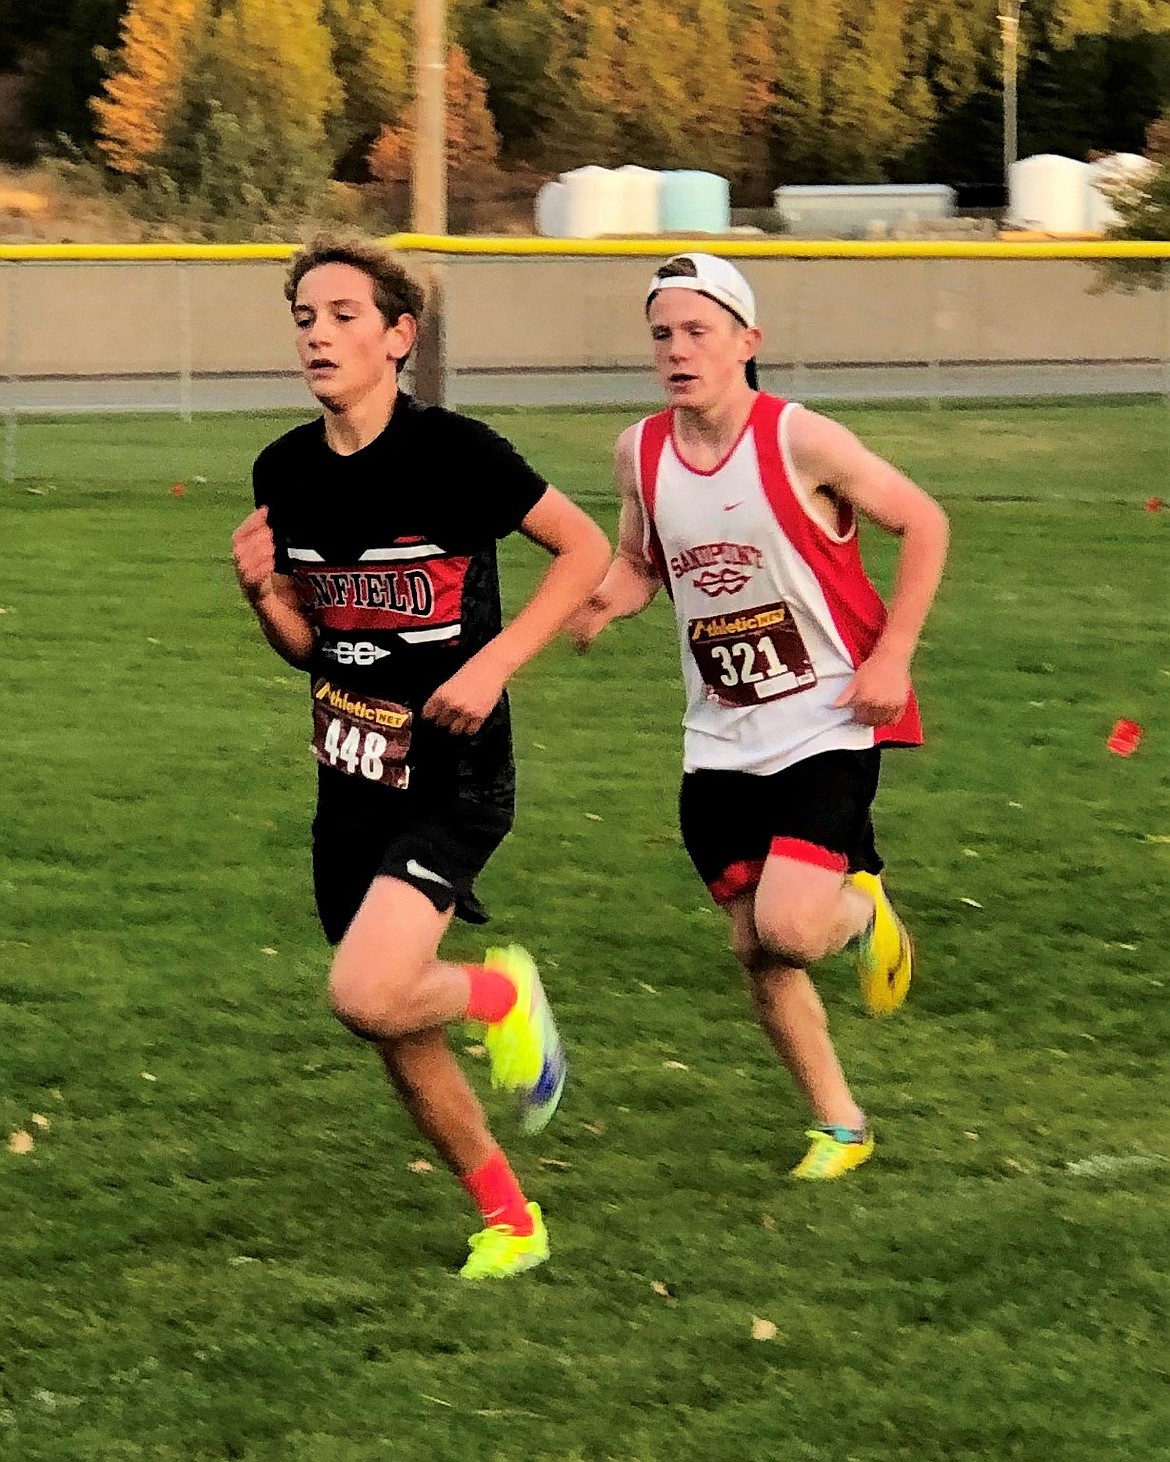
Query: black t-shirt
393	549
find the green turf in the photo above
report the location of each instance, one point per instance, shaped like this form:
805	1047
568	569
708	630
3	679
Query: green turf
218	1248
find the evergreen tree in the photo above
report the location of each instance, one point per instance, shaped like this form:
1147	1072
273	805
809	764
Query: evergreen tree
756	58
1092	90
373	43
581	123
248	136
276	55
951	49
653	82
144	86
473	144
875	110
1125	18
59	45
807	38
853	96
509	43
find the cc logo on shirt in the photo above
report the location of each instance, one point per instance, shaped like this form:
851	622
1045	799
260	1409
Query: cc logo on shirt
354	652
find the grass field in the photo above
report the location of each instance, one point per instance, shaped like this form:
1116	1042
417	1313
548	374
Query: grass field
218	1246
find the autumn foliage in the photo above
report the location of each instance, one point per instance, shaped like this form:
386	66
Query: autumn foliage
473	144
138	99
225	99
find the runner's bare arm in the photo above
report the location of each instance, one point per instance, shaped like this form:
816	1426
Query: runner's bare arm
630	582
580	552
826	454
273	596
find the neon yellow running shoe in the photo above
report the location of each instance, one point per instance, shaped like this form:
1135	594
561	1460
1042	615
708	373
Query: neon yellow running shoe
500	1252
834	1150
524	1048
885	952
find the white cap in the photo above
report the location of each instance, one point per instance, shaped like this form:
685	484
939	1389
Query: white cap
716	278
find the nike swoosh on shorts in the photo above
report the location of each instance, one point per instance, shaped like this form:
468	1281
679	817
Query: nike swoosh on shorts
416	870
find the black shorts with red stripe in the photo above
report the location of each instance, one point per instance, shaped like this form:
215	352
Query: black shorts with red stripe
817	811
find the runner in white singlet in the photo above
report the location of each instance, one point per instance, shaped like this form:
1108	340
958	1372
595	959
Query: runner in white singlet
744	507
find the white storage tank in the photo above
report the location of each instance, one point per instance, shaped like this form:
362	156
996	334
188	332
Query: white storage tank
641	201
1117	170
695	202
594	202
549	210
1050	193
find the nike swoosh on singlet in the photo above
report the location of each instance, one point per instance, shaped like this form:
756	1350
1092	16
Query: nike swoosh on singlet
727	507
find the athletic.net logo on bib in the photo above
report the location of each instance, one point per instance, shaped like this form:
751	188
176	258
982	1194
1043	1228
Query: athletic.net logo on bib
361	736
753	656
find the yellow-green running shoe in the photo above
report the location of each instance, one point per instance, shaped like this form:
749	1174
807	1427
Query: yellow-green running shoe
500	1252
834	1150
525	1048
885	951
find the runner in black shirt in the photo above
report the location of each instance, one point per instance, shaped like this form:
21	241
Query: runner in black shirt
370	562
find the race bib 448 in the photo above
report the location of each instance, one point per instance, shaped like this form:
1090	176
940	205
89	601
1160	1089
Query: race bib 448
751	656
361	735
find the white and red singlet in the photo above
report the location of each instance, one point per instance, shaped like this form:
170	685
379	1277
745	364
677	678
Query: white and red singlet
774	608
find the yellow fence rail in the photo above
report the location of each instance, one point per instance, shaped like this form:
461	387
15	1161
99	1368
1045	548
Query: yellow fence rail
143	327
453	245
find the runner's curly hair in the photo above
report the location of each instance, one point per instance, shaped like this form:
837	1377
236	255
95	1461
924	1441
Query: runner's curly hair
396	291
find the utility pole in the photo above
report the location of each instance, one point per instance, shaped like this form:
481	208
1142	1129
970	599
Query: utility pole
429	188
1009	34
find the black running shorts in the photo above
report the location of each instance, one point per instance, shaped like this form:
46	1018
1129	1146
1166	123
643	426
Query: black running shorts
440	852
819	807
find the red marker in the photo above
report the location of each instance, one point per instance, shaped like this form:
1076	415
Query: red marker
1125	738
178	490
1154	505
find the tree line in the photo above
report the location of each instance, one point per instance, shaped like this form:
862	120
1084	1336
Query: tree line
252	106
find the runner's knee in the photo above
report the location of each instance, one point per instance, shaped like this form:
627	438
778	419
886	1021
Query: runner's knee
374	1006
750	954
789	938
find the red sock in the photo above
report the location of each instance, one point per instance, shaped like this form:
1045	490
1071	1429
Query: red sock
497	1194
490	994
